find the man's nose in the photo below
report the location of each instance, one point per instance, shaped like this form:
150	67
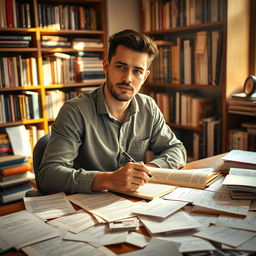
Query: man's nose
127	76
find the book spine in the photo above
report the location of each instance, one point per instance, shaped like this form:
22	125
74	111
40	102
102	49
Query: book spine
15	170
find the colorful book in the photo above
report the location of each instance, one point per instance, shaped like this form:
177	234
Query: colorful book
16	169
11	159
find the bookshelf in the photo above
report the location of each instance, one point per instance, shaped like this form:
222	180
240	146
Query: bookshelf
198	44
55	50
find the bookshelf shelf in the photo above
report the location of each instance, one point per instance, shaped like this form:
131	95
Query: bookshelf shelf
34	121
199	48
186	28
30	62
188	86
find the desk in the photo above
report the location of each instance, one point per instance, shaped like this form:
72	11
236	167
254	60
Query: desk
214	162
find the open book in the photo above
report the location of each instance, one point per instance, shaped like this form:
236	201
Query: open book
165	180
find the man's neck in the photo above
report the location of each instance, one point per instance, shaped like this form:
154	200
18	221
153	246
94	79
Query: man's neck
118	109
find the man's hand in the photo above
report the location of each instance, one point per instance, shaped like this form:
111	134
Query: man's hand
127	178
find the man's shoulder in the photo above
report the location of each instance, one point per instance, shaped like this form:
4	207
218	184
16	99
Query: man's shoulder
144	99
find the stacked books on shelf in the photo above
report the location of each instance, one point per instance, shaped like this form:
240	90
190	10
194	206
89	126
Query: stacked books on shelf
241	183
55	41
15	178
5	145
15	14
17	71
73	68
17	41
240	103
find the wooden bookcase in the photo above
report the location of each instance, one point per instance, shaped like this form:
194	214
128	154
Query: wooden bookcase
38	19
165	21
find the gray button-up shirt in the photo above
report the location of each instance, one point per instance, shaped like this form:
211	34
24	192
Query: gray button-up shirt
87	139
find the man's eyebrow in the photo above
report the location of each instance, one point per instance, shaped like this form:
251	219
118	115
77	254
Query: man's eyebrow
123	63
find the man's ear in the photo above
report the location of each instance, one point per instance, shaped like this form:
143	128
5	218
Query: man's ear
105	66
146	75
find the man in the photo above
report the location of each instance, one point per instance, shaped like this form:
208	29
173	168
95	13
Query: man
84	153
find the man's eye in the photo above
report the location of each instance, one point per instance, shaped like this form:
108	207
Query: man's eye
138	72
120	67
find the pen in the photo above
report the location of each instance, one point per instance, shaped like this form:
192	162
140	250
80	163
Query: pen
132	160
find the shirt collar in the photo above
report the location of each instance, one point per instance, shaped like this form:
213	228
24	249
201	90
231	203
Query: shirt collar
102	105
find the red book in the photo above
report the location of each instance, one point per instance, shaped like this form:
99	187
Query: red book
9	13
16	169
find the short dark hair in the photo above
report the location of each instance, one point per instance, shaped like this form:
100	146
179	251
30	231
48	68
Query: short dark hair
134	40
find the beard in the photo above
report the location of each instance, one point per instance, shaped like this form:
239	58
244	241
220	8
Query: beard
122	96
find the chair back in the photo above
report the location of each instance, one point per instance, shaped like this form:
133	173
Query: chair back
38	155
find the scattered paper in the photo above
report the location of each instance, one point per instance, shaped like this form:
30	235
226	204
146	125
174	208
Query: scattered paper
245	223
137	239
23	228
179	221
160	208
229	236
106	205
75	222
49	206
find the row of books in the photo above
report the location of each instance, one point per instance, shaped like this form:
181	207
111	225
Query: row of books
17	107
188	60
65	68
203	143
15	14
56	98
75	43
17	71
184	108
239	103
15	178
159	15
243	138
67	17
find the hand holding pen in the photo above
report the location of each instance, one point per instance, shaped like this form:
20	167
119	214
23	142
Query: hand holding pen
132	160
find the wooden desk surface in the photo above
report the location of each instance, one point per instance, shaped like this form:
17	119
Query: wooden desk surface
214	162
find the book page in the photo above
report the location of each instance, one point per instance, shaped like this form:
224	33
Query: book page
194	178
242	172
244	181
49	206
152	190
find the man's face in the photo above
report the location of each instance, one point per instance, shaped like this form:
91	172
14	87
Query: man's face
126	73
